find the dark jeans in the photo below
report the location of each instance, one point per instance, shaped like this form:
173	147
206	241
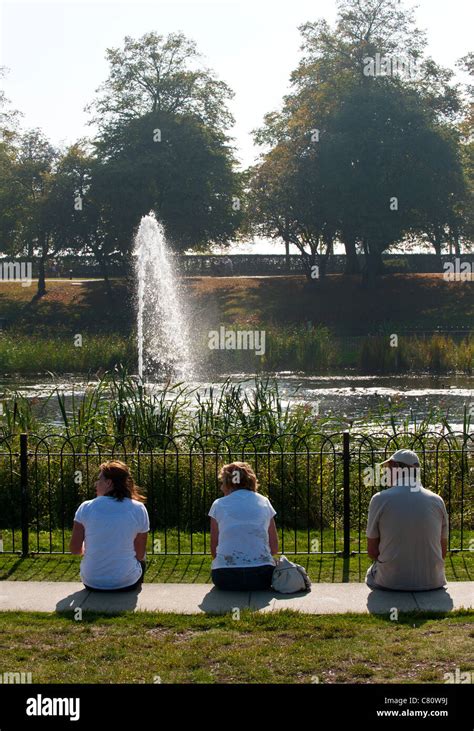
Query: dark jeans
125	588
243	579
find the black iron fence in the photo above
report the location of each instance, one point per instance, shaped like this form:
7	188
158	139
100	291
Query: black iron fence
320	485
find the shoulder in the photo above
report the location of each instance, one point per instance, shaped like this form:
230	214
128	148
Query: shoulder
83	509
86	505
138	506
216	505
378	497
430	495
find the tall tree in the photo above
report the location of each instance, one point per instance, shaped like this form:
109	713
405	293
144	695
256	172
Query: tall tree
162	145
11	193
153	74
33	174
334	75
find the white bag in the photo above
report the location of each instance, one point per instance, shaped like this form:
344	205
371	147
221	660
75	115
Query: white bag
289	577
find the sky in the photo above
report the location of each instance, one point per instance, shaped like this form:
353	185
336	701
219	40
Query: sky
55	51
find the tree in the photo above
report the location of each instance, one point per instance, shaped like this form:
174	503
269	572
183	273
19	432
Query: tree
153	75
186	177
33	174
465	207
353	114
10	191
289	200
392	169
162	146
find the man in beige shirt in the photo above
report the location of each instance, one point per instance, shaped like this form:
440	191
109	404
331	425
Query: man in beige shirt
407	530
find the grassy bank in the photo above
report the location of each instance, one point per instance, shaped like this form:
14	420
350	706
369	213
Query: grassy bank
284	647
310	328
295	348
398	302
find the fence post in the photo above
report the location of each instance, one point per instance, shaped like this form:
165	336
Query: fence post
24	494
346	457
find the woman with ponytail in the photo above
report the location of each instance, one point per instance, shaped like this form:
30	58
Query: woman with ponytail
110	532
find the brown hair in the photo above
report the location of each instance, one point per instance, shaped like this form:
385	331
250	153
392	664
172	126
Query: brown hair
122	481
238	476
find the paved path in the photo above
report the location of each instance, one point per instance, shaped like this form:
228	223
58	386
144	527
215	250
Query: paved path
52	596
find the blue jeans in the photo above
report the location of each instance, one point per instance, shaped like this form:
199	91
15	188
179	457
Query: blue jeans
251	578
124	588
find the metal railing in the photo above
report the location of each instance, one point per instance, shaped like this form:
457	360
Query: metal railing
317	483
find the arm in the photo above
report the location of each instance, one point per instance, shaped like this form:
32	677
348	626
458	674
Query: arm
444	547
444	531
140	545
373	529
76	545
214	536
373	547
273	537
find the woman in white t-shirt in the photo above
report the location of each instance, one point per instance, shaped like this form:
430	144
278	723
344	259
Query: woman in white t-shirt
110	532
243	533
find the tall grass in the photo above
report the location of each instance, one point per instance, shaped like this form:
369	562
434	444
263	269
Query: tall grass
434	354
119	405
296	348
33	354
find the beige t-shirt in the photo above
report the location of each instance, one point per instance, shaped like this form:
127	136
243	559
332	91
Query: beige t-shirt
409	523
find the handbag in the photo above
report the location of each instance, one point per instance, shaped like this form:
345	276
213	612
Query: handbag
289	577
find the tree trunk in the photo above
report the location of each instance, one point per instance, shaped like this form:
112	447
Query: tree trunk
43	246
352	262
101	260
105	274
436	241
286	239
324	258
373	264
41	278
287	255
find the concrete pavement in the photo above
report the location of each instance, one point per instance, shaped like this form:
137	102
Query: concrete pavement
60	596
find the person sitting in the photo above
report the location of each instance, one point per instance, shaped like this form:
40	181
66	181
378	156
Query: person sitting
407	530
243	532
110	532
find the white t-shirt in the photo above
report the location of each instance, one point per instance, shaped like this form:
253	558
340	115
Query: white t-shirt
110	528
243	518
409	523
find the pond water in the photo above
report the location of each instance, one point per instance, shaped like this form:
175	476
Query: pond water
346	395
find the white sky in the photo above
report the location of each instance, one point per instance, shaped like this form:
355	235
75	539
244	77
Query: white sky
55	51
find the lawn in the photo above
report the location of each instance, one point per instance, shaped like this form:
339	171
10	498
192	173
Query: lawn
406	301
282	647
197	569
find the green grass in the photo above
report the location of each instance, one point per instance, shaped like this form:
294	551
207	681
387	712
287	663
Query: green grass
36	354
171	542
197	569
283	647
295	347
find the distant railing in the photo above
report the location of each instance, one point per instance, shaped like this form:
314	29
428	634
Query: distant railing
275	264
317	484
244	265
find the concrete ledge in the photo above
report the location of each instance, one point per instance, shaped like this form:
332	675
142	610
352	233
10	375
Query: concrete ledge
57	596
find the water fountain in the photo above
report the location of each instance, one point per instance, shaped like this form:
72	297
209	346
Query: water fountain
163	341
